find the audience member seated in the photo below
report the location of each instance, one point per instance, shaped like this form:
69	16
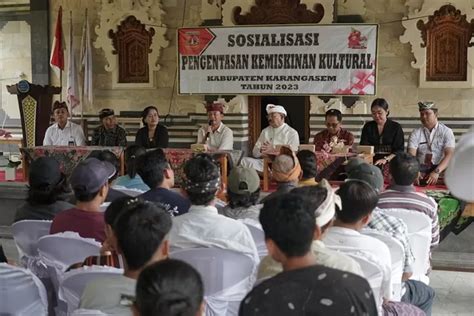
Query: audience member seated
243	193
323	200
415	292
401	194
153	134
216	135
307	160
202	226
141	230
108	133
157	173
432	144
304	287
276	134
63	132
169	288
384	134
46	191
132	180
107	155
333	134
89	181
286	171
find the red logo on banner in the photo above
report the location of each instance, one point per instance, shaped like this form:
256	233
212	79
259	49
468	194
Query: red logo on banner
192	42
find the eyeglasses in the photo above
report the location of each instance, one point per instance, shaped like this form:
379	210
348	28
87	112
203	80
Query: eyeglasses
334	125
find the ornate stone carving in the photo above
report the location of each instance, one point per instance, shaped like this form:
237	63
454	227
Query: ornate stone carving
351	7
111	14
278	12
308	8
132	43
440	40
446	36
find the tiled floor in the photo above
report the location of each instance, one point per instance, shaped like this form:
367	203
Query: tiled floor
454	290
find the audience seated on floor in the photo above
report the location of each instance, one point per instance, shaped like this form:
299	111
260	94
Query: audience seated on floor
89	181
157	173
243	193
140	231
202	226
303	288
169	288
323	200
107	155
401	194
413	292
132	179
286	171
307	160
46	191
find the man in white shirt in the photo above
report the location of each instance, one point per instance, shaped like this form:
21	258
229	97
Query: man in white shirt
140	236
278	133
432	144
216	135
63	132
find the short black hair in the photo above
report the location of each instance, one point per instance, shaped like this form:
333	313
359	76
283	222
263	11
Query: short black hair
132	153
358	200
48	194
140	229
82	196
380	102
307	160
201	169
313	194
334	112
146	111
107	155
151	167
169	288
404	168
286	220
115	209
243	200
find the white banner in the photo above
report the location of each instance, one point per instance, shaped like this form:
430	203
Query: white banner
336	59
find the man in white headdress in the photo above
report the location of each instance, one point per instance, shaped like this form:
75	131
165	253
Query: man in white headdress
278	133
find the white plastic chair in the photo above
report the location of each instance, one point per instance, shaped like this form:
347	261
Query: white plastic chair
87	312
74	281
397	254
128	191
419	236
21	292
26	234
259	239
227	277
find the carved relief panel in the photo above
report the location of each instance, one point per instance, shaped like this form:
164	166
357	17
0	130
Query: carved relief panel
132	44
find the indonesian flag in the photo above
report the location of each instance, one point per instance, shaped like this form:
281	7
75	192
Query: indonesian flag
86	64
57	53
72	82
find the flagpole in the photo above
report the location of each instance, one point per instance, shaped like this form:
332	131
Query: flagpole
83	88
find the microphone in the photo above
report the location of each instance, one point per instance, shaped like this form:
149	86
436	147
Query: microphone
208	133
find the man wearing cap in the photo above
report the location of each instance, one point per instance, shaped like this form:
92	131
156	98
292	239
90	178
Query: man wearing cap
89	181
432	144
278	133
108	133
63	132
216	135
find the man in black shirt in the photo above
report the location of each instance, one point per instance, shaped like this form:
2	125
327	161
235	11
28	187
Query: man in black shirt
303	288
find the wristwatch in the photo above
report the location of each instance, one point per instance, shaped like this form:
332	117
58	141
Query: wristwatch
437	171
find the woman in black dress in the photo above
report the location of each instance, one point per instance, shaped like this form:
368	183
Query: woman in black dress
384	134
152	135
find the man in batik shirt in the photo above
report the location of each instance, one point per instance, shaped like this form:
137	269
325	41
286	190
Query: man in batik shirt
109	133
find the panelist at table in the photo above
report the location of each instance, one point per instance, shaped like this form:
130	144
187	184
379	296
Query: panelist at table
63	132
278	133
334	133
216	135
153	134
432	144
109	133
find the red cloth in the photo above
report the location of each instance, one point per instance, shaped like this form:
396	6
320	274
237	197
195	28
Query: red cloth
86	224
57	53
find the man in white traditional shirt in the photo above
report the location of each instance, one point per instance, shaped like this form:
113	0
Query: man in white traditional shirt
432	144
63	132
278	133
216	135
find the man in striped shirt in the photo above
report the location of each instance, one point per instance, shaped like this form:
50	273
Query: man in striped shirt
401	194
